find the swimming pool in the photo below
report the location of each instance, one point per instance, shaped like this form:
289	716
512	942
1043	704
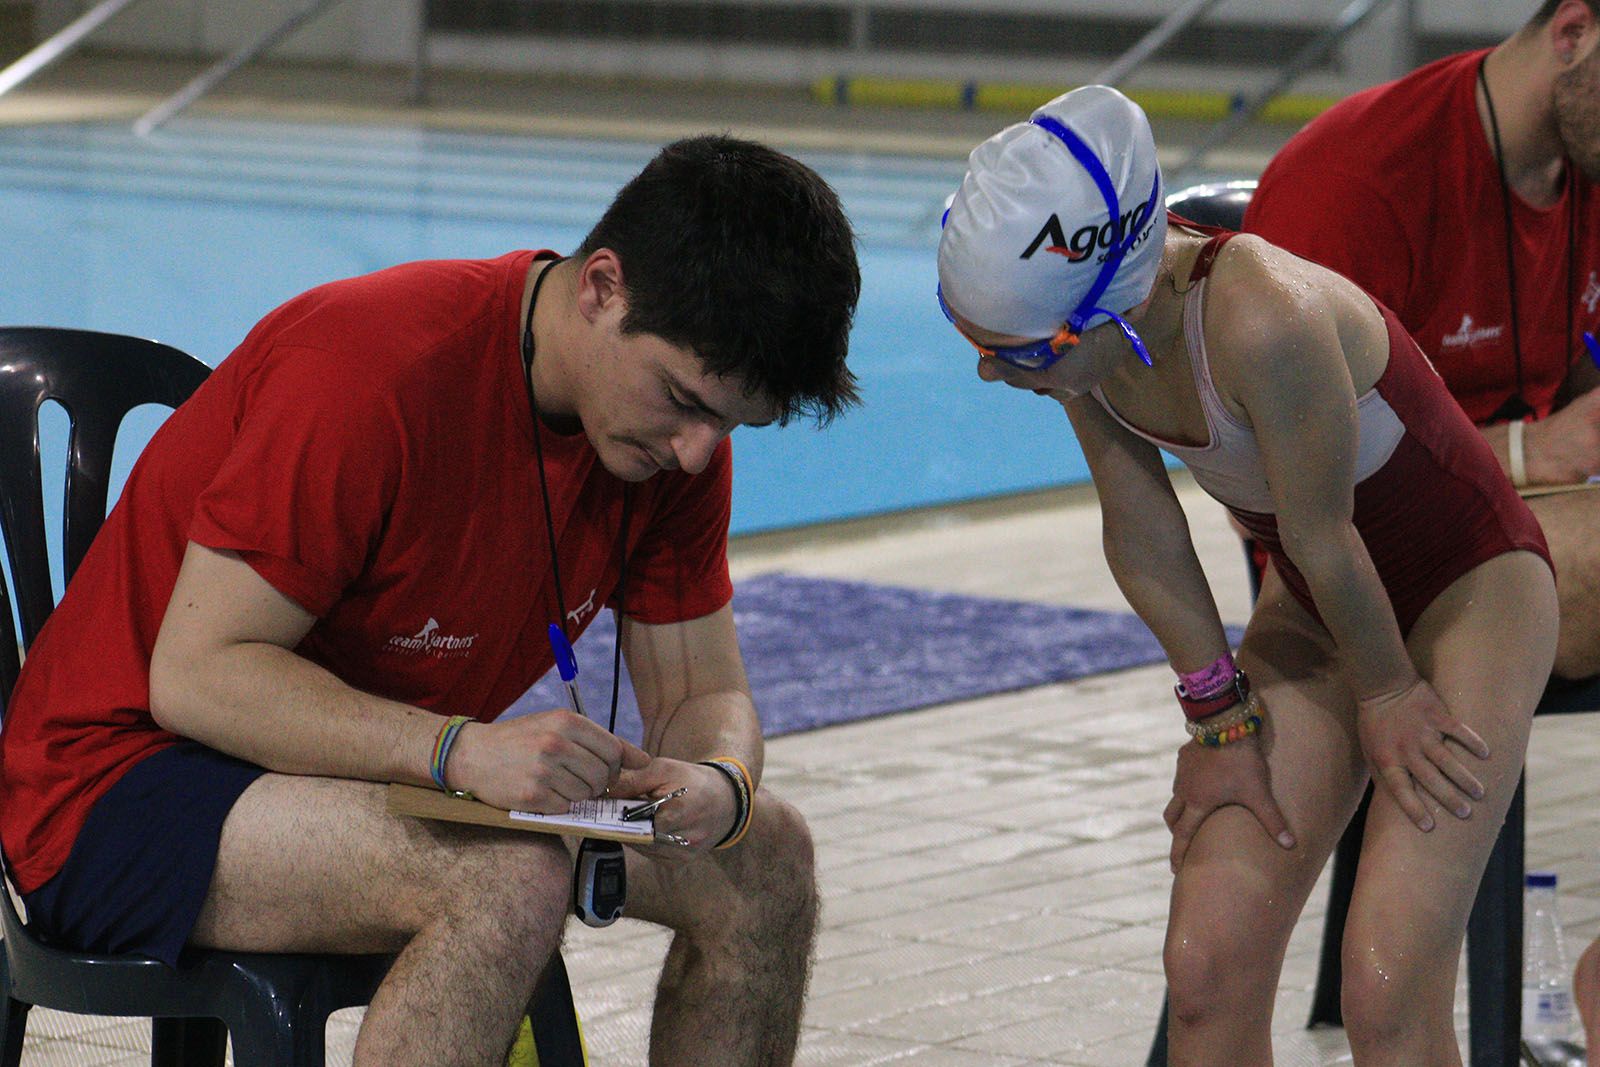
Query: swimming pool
192	235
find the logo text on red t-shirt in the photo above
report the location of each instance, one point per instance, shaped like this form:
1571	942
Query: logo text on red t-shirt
429	641
1470	335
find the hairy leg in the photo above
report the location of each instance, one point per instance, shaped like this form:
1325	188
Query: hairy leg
1571	522
1238	894
744	921
317	865
1414	891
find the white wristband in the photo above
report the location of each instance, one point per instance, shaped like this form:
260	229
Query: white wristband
1514	454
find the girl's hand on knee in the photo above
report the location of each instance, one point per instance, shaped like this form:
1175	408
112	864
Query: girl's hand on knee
1405	736
1212	778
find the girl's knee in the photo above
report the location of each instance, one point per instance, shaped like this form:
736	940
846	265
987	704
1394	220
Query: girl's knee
1225	941
1216	967
1389	993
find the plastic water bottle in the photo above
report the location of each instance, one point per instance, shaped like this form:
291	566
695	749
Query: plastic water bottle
1546	979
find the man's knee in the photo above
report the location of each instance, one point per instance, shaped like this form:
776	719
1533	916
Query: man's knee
777	860
1569	521
523	879
1578	641
761	891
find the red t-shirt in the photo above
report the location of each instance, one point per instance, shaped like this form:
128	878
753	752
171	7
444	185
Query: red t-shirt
368	450
1397	188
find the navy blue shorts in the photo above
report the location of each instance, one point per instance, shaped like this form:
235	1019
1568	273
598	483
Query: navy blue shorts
139	871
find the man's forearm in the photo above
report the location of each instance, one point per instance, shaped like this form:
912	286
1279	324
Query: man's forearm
707	726
1560	449
268	705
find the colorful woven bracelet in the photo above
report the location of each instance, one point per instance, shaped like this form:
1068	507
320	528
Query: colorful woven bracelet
441	752
743	794
1237	732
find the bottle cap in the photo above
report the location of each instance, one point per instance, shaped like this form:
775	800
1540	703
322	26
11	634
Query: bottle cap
1541	880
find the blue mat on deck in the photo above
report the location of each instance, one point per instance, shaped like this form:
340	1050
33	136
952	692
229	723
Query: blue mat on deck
821	651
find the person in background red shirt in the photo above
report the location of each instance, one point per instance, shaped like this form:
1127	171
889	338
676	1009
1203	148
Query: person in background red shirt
1464	196
341	559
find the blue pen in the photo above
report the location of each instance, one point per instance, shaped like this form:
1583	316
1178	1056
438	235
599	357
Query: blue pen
566	665
1593	346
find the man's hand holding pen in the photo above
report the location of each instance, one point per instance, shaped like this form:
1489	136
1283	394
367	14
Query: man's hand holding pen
542	762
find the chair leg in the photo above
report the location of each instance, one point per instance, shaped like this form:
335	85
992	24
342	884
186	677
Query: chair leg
555	1019
196	1042
1158	1047
16	1025
286	1042
1326	1007
1494	947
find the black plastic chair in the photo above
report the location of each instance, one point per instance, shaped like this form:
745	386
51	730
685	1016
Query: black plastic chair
1494	929
1214	203
275	1007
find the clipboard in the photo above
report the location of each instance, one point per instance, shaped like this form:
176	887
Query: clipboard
590	818
1528	492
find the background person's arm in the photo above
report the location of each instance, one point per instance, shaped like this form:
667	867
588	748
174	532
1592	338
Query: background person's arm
1558	450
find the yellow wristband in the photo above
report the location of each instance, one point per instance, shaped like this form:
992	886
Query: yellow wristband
744	793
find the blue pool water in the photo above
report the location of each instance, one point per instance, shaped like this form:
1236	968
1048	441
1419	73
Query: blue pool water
192	235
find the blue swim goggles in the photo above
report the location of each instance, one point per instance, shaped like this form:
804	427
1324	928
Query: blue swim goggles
1039	355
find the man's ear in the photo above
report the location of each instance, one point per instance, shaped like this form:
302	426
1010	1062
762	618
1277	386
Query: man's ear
600	285
1573	31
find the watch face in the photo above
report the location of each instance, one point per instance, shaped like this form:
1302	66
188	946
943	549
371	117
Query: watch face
600	882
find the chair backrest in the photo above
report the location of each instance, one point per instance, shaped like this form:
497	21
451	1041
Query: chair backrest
97	378
1214	203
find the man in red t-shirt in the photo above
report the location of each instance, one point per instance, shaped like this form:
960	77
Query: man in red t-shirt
340	561
1464	196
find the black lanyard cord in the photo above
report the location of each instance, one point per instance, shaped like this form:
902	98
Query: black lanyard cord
1511	259
549	515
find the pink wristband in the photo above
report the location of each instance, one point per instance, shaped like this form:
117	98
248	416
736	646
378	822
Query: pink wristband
1210	680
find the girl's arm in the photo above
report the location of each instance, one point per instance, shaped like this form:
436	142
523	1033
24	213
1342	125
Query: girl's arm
1278	349
1152	558
1146	539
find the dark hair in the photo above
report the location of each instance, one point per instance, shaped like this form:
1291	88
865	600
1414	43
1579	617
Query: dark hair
744	256
1547	11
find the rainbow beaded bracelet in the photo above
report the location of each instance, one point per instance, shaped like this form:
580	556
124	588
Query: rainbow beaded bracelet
441	752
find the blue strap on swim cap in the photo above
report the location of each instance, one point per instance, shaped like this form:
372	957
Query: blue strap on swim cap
1087	308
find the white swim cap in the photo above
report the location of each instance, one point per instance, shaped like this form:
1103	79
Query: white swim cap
1030	228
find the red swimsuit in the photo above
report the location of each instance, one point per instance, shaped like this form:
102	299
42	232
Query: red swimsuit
1435	505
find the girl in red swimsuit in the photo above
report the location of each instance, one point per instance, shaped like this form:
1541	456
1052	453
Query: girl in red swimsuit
1401	560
